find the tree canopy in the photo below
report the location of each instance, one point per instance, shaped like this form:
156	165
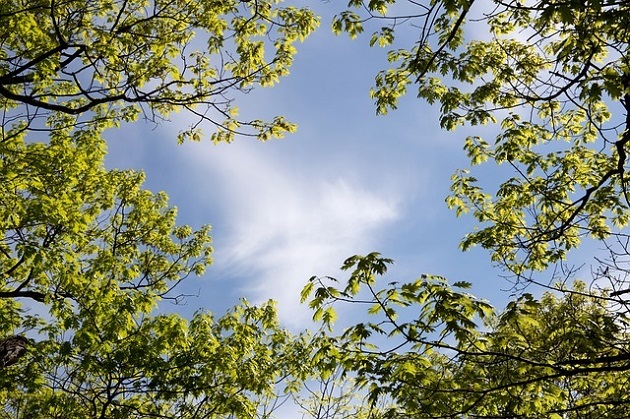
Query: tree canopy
426	349
87	253
105	62
552	78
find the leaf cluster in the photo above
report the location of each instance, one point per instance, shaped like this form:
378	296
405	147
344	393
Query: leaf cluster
430	350
115	61
88	254
552	77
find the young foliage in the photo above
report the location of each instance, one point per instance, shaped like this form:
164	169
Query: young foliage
87	254
82	239
166	367
554	78
106	61
429	350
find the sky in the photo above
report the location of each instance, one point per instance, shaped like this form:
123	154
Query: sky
348	182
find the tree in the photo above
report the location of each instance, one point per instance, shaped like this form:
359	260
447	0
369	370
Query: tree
87	254
164	367
111	61
429	350
553	80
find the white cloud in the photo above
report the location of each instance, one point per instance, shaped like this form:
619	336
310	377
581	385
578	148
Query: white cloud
287	223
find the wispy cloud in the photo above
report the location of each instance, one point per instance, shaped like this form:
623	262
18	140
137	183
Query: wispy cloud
284	225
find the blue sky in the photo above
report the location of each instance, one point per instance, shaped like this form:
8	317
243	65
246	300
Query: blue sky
348	182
